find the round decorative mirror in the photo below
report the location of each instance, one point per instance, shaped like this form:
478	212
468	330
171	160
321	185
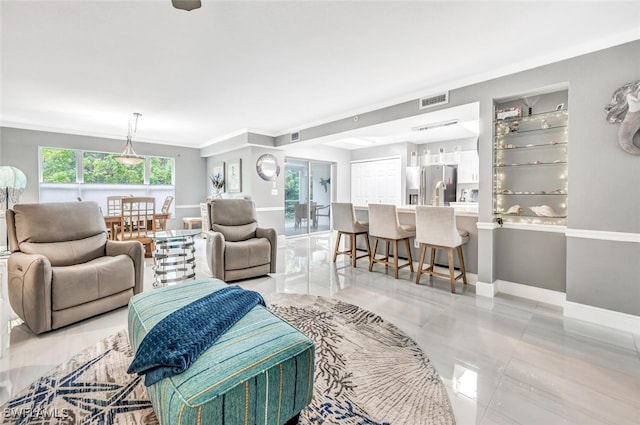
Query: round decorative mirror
267	166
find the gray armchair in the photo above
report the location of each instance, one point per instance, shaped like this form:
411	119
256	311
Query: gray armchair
236	247
63	269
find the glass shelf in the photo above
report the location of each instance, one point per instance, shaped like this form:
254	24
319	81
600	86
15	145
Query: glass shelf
536	131
542	164
528	215
533	117
530	194
536	146
533	146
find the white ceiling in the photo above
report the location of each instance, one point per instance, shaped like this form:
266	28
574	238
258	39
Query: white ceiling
454	123
271	67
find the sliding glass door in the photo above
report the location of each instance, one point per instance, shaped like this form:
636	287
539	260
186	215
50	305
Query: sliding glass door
307	196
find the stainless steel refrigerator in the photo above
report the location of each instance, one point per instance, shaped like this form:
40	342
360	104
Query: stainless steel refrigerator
429	178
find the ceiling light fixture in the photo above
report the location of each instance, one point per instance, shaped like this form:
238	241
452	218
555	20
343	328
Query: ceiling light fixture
435	125
186	4
129	156
358	141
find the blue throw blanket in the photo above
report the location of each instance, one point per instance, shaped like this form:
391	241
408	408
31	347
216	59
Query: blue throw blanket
175	342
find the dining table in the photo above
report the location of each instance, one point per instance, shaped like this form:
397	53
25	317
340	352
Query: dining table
111	221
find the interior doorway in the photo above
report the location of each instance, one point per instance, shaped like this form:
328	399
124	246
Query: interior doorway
308	195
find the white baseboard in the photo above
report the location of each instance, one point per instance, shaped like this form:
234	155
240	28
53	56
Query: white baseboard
519	290
484	289
596	315
600	316
531	292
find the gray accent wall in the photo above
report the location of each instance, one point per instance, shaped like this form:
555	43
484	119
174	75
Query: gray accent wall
531	258
366	119
19	148
603	179
608	276
268	196
604	206
341	178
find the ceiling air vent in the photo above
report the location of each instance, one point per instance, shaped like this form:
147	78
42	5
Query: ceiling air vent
294	137
435	100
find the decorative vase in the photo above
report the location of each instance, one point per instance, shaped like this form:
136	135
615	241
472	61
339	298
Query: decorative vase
217	194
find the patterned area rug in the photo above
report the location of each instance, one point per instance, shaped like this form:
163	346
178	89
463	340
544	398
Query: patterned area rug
367	372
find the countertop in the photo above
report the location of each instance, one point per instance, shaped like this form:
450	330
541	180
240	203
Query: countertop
462	210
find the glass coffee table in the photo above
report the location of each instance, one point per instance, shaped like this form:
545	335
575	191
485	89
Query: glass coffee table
174	257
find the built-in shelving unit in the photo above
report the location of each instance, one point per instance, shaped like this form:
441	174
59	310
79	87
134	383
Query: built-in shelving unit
530	167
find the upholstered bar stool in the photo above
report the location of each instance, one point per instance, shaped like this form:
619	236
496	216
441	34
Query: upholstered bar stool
436	229
346	223
384	225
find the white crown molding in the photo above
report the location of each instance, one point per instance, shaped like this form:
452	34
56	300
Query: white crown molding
569	53
262	132
36	127
238	132
119	138
603	235
600	316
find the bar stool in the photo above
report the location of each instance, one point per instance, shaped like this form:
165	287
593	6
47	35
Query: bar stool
436	229
384	225
346	223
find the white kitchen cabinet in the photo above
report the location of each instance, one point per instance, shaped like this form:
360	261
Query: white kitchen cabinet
468	167
376	181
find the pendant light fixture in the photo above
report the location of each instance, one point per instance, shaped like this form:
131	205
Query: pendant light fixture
187	5
129	156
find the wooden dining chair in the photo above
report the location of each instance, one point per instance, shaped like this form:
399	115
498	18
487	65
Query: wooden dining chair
301	213
161	219
114	205
137	221
167	204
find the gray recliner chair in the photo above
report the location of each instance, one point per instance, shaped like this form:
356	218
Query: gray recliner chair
236	247
63	269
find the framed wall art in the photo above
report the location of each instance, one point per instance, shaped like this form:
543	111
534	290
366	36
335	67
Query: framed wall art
234	176
217	174
267	167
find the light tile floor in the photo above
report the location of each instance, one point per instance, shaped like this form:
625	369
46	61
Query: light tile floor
504	360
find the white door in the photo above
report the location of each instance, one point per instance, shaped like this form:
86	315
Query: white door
376	182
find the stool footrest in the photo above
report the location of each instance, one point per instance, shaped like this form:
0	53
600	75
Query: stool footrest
429	270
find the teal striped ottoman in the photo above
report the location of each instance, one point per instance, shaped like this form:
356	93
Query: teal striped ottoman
259	372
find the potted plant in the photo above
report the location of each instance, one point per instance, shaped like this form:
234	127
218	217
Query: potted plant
218	184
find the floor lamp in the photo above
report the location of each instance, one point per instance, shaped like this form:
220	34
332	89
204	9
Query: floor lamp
12	184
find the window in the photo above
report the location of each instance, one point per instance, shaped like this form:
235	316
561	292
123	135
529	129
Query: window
161	170
71	174
58	165
98	167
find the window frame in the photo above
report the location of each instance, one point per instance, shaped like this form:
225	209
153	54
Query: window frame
61	192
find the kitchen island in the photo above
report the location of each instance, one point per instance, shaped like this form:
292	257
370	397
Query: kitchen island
466	221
